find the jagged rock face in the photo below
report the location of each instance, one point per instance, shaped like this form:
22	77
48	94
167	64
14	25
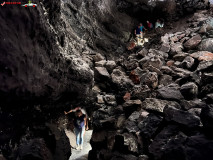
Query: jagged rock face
53	50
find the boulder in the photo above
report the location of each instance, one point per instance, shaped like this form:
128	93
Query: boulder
101	63
140	91
134	77
203	56
165	47
98	57
120	121
153	104
143	157
169	93
188	62
165	80
207	77
176	48
153	61
131	126
189	90
198	147
101	73
100	99
205	65
196	103
180	56
207	118
206	45
34	149
149	125
110	65
192	42
168	144
150	79
131	64
134	116
158	53
182	117
120	79
110	100
131	106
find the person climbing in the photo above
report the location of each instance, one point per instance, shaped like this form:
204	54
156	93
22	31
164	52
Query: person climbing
149	25
138	33
80	124
142	29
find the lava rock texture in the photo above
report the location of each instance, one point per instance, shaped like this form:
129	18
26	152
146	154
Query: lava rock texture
148	103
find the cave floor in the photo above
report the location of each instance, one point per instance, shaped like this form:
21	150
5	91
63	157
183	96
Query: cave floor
79	154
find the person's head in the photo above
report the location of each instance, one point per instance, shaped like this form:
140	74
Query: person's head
141	24
147	21
78	113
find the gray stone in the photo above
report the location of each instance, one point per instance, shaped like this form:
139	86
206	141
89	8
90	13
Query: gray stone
192	42
110	100
121	79
158	105
165	47
204	65
206	45
101	72
110	65
100	63
188	62
165	80
176	48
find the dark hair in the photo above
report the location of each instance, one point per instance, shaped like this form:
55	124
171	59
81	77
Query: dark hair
78	111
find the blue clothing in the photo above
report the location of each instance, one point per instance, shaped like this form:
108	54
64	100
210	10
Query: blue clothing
79	121
79	132
142	28
138	30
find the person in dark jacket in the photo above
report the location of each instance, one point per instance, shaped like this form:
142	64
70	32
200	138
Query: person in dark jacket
80	122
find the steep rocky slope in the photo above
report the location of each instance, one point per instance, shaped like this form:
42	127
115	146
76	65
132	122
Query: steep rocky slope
160	105
51	58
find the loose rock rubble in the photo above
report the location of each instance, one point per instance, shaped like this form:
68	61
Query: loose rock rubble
161	106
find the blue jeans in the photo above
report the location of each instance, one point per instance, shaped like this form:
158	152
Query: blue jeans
79	132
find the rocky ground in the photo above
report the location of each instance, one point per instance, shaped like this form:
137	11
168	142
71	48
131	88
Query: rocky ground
156	103
152	102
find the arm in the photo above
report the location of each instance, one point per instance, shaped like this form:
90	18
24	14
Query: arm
86	123
135	31
72	110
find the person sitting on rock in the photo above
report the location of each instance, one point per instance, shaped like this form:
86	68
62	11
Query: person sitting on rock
149	25
159	24
80	123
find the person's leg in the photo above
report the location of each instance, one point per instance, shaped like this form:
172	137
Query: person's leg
77	134
82	137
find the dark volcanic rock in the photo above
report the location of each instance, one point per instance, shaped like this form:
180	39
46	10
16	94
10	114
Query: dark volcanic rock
181	117
168	144
34	149
149	125
207	118
189	90
170	92
121	79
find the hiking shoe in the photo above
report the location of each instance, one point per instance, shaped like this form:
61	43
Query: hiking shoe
78	147
81	147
